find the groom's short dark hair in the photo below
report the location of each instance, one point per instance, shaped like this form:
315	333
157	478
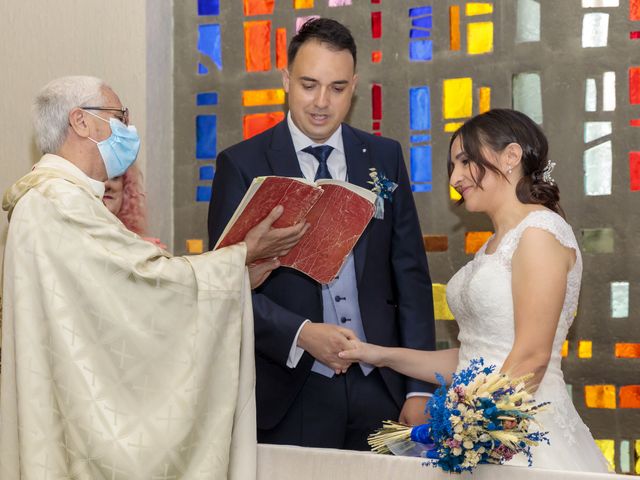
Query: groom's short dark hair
324	30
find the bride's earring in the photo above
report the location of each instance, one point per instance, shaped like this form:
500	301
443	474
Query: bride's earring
509	170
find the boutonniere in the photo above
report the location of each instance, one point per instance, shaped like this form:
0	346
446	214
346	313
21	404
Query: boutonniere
383	188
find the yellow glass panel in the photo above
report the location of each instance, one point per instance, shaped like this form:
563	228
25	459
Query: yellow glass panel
608	448
253	98
302	3
600	396
453	194
452	126
585	348
479	38
478	8
637	444
195	245
440	306
565	348
457	101
484	102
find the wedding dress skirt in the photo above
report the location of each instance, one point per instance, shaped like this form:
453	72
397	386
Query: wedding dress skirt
479	296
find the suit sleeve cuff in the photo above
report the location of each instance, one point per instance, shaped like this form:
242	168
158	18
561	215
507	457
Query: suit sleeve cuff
295	353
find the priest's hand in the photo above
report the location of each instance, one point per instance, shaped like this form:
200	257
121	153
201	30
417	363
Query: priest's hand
413	411
258	273
324	341
263	241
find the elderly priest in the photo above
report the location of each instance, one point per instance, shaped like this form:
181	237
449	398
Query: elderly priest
119	361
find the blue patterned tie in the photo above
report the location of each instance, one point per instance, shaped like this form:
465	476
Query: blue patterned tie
321	152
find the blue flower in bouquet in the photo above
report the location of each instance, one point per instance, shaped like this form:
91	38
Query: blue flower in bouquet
483	417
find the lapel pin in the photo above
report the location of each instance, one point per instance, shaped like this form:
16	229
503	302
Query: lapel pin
364	150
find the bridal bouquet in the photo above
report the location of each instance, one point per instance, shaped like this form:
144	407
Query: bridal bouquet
483	417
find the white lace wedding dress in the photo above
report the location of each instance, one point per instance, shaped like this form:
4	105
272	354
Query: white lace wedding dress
479	296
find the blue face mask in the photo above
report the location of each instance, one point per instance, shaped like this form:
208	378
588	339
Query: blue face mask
120	150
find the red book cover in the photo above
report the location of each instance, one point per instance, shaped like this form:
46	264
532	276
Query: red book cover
266	193
337	211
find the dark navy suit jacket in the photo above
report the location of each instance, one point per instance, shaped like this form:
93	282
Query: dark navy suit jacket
394	286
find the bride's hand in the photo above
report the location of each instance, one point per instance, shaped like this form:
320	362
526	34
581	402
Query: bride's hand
363	352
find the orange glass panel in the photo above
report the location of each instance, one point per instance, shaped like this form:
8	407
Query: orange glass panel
302	3
600	396
257	45
474	240
565	349
376	56
256	123
454	28
258	7
281	48
585	349
195	245
253	98
628	350
484	102
630	396
634	10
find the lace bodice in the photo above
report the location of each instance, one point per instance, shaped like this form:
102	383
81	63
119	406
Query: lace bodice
480	298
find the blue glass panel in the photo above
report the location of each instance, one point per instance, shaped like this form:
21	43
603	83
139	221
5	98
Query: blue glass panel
203	194
420	50
421	187
420	138
424	22
207	172
206	136
417	33
209	43
419	108
207	98
202	69
417	11
421	164
208	7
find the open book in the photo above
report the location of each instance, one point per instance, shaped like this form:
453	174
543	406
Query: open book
337	211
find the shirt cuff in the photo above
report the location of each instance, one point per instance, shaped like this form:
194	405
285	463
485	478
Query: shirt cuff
296	352
419	394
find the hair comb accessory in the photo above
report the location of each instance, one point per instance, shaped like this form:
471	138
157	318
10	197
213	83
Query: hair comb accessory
546	173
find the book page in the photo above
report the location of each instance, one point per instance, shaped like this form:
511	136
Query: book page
337	221
363	192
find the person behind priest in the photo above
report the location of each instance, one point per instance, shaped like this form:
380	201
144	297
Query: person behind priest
124	196
119	359
305	394
515	301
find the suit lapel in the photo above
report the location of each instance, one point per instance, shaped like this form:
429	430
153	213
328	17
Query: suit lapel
281	154
358	165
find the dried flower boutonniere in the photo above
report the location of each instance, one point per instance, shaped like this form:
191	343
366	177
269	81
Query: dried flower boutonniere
383	188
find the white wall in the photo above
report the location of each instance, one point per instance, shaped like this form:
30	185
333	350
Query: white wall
128	43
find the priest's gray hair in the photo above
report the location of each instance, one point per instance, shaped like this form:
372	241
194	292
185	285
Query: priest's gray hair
54	103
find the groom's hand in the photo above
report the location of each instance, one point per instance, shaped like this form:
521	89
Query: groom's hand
413	411
324	342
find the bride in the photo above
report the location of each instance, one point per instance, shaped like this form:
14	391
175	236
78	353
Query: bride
515	301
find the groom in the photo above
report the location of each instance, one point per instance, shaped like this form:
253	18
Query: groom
383	292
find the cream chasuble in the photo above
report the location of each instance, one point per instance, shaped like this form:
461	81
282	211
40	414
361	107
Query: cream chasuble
119	361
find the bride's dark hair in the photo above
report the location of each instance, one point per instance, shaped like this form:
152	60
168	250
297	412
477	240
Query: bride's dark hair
498	128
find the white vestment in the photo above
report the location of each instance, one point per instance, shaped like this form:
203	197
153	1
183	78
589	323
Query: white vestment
119	361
